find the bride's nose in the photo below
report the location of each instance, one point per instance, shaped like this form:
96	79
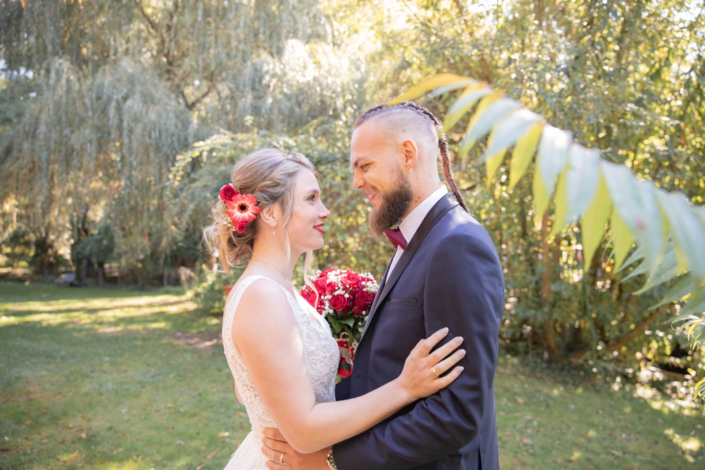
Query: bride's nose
325	213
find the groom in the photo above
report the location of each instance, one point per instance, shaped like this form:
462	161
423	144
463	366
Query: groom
445	272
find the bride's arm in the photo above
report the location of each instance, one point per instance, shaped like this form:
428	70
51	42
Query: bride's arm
266	335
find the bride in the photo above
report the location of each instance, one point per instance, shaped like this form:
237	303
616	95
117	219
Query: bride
280	350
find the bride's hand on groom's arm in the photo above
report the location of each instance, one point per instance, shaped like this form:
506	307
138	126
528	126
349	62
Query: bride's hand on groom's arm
423	369
274	446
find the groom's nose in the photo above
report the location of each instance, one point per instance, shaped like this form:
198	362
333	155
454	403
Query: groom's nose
358	181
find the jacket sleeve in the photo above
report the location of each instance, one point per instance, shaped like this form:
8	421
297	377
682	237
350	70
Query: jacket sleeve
464	290
342	390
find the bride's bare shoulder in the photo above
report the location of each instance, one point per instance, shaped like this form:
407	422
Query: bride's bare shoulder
262	303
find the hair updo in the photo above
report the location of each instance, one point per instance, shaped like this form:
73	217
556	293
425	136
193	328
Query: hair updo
270	176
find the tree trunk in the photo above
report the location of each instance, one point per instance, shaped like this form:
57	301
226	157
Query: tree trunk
549	326
101	273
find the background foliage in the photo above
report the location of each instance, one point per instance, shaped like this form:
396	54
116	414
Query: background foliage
128	114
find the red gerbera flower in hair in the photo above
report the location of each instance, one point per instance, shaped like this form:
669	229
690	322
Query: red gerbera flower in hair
242	210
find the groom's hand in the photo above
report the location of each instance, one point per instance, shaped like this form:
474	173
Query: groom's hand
275	445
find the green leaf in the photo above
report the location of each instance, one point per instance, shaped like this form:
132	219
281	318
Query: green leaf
696	304
540	196
452	86
523	151
667	270
699	389
334	323
509	130
583	179
687	231
561	201
428	85
639	270
492	164
553	155
485	118
465	101
700	214
350	321
594	222
637	255
622	237
683	317
637	206
683	287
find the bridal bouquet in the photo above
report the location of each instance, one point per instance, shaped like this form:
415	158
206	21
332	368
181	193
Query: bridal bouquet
344	298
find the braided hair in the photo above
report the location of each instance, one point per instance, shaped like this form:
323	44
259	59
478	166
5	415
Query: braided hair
442	142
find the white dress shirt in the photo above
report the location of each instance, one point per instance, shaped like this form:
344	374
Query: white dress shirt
412	222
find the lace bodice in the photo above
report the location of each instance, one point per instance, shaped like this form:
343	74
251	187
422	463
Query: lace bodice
321	354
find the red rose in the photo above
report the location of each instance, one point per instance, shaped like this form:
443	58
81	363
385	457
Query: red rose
331	287
241	227
320	286
351	281
338	302
310	296
351	303
228	193
363	302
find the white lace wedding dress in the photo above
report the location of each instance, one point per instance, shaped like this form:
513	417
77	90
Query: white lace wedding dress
321	354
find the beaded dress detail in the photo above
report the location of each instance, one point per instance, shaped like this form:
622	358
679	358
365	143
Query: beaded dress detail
321	354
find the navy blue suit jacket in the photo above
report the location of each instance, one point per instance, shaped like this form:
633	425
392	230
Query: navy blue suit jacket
449	275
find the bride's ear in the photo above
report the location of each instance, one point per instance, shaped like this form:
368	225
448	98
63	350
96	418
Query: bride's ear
270	215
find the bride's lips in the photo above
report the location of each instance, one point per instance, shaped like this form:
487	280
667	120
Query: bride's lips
319	228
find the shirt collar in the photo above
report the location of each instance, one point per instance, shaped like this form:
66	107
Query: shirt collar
412	222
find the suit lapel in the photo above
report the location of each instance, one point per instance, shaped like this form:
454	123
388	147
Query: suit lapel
376	300
434	215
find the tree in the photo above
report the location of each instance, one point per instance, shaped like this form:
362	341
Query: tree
103	95
668	231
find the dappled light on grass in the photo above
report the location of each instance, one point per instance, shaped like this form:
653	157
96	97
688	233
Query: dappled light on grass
137	382
111	316
689	444
141	383
667	404
554	419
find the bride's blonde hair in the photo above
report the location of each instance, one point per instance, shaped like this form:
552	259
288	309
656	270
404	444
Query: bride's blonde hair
270	176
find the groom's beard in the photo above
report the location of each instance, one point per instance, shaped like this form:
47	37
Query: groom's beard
394	205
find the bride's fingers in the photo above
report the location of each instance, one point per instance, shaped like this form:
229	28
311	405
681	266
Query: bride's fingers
426	345
277	446
449	362
274	433
448	379
446	349
273	455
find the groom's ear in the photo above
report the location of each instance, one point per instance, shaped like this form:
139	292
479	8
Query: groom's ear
409	153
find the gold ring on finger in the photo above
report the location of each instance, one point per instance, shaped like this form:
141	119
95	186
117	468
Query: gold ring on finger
281	459
433	369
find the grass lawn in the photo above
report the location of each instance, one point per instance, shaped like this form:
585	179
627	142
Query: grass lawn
104	378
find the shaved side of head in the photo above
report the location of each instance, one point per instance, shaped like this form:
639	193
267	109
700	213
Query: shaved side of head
404	124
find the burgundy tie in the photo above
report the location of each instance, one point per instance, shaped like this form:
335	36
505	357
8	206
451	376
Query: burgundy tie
395	236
